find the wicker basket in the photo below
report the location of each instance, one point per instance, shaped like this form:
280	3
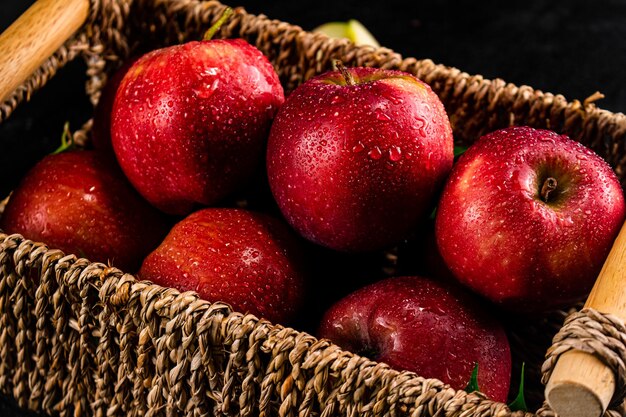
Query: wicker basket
91	340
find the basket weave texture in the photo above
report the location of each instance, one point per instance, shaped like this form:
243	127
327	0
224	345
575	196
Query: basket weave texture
84	339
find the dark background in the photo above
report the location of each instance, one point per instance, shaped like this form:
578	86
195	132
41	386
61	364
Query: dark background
572	48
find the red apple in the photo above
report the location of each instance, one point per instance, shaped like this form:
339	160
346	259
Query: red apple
190	121
101	129
420	325
81	203
527	218
246	259
356	157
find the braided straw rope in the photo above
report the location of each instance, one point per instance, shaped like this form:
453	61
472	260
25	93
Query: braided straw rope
80	338
602	335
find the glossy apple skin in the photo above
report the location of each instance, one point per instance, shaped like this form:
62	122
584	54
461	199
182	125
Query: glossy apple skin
249	260
418	324
101	128
357	167
80	202
190	121
502	240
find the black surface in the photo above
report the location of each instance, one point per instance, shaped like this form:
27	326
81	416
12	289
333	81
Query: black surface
573	48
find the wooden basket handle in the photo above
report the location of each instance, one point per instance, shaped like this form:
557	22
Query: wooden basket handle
34	37
580	384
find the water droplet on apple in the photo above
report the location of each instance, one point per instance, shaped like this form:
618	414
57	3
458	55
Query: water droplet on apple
380	115
395	153
394	99
90	198
418	126
358	147
375	153
429	160
337	99
546	139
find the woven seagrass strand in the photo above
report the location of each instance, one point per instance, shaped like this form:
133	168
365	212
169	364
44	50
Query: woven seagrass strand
90	340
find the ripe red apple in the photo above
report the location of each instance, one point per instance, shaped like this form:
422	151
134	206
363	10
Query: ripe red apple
246	259
101	129
424	326
190	121
527	218
81	203
355	157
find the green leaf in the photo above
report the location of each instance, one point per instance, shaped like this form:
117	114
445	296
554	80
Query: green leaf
459	150
519	403
472	385
67	140
433	214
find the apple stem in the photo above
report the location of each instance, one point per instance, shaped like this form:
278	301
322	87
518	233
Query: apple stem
548	186
208	35
347	75
67	140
